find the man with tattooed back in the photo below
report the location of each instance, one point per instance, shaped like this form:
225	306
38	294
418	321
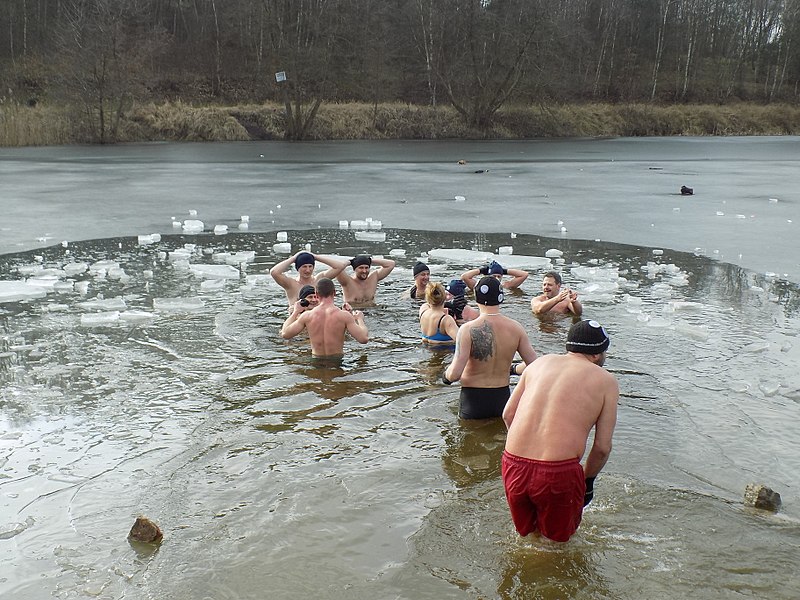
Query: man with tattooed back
485	349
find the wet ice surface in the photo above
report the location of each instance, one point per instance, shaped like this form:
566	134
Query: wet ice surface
745	209
132	386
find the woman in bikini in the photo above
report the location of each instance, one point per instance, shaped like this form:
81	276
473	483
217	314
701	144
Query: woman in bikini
436	325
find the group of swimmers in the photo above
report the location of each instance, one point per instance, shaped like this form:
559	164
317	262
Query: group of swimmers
557	402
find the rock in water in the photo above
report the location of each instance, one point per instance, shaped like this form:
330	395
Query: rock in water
686	191
144	530
760	496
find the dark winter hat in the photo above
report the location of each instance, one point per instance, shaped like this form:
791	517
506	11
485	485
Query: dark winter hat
495	268
420	267
456	287
306	291
361	259
304	258
587	337
488	292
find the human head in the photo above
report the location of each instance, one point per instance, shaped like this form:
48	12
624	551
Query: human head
361	265
304	263
325	288
421	274
495	269
456	287
435	294
588	337
309	294
551	284
488	291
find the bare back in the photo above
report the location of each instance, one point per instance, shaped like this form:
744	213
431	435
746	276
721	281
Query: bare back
491	344
559	399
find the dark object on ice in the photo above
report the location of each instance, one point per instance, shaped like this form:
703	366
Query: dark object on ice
760	496
482	171
686	191
144	530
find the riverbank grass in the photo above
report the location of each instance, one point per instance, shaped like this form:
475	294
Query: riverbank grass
39	125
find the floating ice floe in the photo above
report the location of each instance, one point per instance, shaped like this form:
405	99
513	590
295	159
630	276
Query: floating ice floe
554	253
596	273
43	281
657	252
147	239
237	258
136	316
76	268
244	226
212	285
397	252
282	248
477	258
245	218
104	304
14	291
99	319
193	226
459	198
215	271
344	225
178	304
220	229
282	236
697	332
371	236
505	250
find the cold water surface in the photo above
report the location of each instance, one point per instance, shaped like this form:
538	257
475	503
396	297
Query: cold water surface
155	391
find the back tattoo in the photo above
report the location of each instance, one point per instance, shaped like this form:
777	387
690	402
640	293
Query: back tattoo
482	342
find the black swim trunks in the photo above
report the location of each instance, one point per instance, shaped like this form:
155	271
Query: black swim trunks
483	403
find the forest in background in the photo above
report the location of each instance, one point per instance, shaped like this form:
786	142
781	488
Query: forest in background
102	70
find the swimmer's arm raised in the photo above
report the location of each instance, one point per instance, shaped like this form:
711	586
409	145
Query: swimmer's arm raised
519	277
386	266
278	272
336	266
468	277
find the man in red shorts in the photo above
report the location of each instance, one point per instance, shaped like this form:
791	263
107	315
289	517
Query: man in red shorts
557	402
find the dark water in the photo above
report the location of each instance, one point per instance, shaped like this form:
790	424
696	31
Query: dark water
274	475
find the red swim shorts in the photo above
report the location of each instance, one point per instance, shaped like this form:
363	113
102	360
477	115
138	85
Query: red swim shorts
544	496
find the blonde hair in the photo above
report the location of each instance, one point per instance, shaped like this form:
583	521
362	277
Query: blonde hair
435	294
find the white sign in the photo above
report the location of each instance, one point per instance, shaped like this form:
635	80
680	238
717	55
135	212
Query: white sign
280	76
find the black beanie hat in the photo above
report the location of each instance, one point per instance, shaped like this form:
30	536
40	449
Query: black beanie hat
587	337
419	268
488	292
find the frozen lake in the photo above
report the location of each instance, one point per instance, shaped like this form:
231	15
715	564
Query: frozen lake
133	383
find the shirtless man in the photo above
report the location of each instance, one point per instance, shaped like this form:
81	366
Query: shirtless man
558	401
304	264
495	269
326	323
360	288
554	300
484	350
422	275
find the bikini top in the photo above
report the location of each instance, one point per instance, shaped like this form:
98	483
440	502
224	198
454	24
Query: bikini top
438	336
